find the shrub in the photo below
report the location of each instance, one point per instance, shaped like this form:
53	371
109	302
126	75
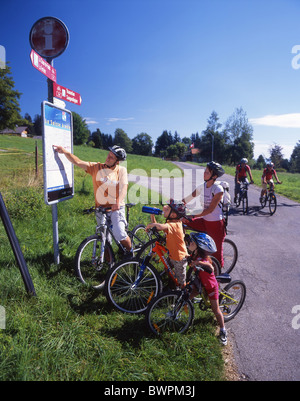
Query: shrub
24	202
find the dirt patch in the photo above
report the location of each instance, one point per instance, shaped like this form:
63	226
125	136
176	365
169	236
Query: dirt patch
231	369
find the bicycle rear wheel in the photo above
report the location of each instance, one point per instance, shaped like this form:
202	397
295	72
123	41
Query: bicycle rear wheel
129	289
88	267
169	313
263	201
272	204
230	255
231	299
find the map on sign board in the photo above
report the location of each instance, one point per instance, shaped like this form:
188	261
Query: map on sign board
58	171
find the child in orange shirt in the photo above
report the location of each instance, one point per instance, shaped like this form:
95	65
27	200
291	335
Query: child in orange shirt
174	237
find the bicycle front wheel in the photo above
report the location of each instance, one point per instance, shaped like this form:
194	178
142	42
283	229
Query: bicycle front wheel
88	266
272	204
231	299
230	255
129	288
169	313
245	203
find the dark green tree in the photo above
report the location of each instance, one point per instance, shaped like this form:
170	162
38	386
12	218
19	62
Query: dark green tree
163	142
240	134
276	155
142	144
81	132
122	139
9	101
37	125
96	137
295	159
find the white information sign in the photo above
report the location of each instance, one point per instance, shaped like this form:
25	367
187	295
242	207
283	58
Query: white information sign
58	171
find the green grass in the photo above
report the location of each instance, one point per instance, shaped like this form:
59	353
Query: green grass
67	332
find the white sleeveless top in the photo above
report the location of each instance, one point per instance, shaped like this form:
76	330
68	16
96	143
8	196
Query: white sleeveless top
209	193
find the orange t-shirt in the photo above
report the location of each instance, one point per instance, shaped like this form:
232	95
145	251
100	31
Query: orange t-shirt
175	241
108	183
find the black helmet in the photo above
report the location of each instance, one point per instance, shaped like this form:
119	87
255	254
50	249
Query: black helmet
118	152
178	207
204	242
216	168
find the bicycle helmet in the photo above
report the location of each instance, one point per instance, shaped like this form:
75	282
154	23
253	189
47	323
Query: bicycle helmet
118	152
216	168
270	164
204	242
244	160
178	207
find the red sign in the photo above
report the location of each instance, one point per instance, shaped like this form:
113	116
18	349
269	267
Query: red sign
49	37
40	64
66	94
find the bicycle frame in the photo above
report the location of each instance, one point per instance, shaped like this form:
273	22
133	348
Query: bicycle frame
159	250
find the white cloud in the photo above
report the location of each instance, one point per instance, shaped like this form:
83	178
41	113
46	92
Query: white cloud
89	120
281	120
114	119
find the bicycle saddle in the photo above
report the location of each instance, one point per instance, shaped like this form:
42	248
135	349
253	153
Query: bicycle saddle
224	278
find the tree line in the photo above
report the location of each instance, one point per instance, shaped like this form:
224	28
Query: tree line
226	143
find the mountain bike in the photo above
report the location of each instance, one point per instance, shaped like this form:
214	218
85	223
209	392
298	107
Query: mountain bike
173	311
269	198
95	255
242	197
132	284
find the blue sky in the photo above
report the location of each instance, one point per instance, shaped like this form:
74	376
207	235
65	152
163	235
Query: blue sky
154	65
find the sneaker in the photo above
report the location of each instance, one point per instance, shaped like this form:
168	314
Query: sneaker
223	337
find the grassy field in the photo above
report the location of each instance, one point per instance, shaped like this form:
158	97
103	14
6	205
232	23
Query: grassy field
67	332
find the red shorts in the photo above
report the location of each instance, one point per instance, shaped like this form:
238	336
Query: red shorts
216	229
210	284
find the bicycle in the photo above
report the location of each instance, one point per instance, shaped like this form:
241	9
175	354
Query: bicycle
174	311
230	253
271	198
131	285
242	197
95	255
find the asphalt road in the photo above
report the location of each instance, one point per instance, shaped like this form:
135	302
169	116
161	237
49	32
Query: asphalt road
266	332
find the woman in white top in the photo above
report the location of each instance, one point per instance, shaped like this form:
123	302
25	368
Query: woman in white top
211	219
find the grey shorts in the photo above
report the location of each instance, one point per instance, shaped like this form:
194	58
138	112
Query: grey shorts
180	269
118	223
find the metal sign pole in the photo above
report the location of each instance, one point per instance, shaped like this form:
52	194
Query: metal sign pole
54	206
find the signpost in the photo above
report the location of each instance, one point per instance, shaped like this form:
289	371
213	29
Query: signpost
58	171
66	94
41	65
49	38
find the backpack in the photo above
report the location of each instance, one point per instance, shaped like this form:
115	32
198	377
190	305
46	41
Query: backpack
226	203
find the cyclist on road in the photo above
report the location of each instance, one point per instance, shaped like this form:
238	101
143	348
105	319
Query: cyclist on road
201	246
173	212
242	169
110	183
267	178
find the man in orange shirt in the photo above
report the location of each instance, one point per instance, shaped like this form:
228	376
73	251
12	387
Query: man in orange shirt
174	237
110	187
